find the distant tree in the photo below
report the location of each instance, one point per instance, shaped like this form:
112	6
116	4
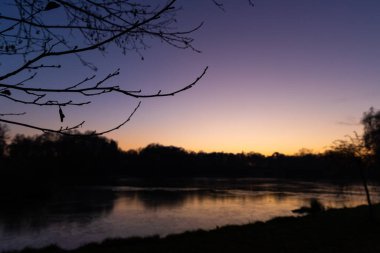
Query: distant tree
304	152
278	155
354	153
159	159
3	139
371	136
68	149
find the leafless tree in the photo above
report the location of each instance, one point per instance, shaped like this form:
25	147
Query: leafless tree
30	39
355	147
371	124
3	139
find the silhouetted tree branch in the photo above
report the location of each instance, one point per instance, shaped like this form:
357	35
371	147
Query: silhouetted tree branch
3	139
29	38
220	4
371	124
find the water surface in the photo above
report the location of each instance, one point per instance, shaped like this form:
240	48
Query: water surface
78	216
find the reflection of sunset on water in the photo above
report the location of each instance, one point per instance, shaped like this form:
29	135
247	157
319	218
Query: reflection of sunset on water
141	211
207	210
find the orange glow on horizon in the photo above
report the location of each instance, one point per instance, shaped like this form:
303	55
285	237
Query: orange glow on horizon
267	151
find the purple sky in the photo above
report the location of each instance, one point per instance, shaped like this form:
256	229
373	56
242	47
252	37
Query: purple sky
283	75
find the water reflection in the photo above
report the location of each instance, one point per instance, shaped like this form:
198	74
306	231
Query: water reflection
79	206
76	216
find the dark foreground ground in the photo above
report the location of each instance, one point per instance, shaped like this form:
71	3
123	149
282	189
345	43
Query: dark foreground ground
340	230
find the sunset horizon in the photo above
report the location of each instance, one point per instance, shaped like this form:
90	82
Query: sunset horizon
189	126
281	77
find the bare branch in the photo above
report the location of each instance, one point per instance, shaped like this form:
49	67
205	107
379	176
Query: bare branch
64	131
47	103
100	90
12	114
219	5
121	124
68	130
34	41
50	53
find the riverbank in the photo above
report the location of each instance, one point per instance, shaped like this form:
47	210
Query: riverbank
336	230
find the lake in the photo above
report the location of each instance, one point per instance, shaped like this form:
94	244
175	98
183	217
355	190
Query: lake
76	216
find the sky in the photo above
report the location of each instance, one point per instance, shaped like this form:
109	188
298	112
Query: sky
283	75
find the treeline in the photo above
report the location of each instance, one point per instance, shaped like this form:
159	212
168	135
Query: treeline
48	160
167	161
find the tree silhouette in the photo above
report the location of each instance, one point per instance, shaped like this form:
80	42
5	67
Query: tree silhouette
357	152
3	139
31	40
371	124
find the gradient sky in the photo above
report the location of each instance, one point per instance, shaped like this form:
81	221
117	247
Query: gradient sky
282	76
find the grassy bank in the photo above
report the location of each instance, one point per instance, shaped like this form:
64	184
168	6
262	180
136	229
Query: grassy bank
340	230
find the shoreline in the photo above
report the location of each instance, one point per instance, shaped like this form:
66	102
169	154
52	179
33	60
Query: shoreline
333	230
